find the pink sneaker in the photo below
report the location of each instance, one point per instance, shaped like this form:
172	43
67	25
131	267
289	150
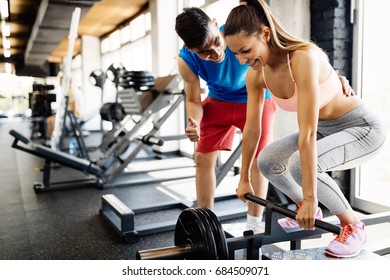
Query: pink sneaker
349	243
288	223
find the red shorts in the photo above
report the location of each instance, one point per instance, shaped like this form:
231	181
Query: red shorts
220	120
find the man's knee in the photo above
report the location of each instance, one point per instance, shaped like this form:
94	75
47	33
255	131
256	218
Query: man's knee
206	160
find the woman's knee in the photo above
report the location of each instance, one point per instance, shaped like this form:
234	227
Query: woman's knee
294	167
269	164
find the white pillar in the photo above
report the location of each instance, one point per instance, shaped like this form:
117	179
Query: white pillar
91	60
165	49
164	38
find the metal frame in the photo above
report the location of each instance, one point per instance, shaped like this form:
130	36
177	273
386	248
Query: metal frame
116	158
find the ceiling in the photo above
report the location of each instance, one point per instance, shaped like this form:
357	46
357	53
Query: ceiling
39	29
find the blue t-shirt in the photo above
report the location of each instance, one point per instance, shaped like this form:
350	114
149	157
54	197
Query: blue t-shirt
225	80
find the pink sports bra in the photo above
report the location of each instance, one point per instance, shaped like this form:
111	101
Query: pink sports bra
328	89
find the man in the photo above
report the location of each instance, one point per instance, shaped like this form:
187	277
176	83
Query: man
213	122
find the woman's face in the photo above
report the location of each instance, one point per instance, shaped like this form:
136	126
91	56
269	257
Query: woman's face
249	49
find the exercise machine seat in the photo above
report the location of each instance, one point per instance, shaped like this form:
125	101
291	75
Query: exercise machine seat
58	156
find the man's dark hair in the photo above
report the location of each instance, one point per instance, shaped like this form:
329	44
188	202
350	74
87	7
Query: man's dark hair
192	27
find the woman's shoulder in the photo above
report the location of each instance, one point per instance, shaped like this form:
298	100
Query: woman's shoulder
255	78
308	58
308	53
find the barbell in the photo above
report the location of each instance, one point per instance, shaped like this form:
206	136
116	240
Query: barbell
199	235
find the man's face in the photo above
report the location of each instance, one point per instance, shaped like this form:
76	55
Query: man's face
214	48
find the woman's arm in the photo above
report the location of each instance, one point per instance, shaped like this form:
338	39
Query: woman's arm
252	130
305	68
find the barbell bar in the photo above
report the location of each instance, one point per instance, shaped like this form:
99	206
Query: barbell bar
291	214
199	235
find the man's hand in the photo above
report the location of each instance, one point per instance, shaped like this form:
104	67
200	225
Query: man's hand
193	130
347	89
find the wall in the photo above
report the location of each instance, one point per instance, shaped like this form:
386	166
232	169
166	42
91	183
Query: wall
332	31
298	24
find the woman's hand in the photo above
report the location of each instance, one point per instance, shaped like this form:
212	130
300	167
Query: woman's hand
306	215
244	187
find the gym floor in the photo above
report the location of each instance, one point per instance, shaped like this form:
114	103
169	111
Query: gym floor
66	225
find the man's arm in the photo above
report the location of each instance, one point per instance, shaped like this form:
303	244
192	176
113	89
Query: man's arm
193	100
347	89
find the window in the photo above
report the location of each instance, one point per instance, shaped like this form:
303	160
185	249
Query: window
370	188
131	46
220	10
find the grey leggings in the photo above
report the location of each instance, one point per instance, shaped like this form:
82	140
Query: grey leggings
342	144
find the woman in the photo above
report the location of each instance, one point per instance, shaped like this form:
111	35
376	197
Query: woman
336	132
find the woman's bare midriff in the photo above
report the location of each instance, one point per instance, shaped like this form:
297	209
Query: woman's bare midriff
339	105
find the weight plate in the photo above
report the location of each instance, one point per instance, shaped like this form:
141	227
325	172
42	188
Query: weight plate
112	112
219	234
135	84
194	229
141	88
136	74
136	79
105	111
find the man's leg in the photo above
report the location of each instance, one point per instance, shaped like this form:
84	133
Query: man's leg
255	211
260	188
205	178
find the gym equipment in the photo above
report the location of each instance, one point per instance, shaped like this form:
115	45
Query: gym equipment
140	81
199	236
132	234
97	78
122	218
136	102
40	100
75	132
112	112
113	72
143	80
111	214
109	169
72	126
